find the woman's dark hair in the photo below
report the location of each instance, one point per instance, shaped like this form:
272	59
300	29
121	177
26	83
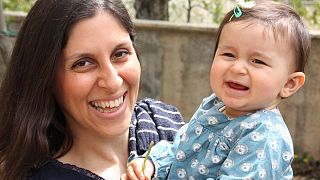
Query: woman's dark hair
284	23
32	126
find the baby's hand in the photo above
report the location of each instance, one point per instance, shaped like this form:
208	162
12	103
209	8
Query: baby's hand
134	170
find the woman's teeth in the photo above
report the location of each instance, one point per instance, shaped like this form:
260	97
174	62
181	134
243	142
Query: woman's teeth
101	105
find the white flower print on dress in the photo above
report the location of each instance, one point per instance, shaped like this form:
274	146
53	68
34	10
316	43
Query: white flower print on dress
246	167
196	147
216	159
210	137
202	169
241	149
198	130
180	156
261	154
287	156
262	174
274	164
228	163
191	178
245	125
182	174
212	120
229	134
194	163
256	136
184	137
269	125
274	145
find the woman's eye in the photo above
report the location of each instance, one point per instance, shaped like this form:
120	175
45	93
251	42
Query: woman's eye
81	64
120	54
257	61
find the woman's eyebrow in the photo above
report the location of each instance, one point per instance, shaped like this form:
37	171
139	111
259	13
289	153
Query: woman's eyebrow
76	55
84	53
123	43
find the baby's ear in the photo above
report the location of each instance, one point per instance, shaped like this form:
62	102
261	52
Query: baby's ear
294	83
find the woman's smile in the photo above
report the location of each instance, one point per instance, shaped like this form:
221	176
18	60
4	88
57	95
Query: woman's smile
109	109
107	106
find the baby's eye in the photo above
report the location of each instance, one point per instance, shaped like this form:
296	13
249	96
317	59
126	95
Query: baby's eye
228	54
257	61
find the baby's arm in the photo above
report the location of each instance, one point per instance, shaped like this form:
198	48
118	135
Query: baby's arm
263	153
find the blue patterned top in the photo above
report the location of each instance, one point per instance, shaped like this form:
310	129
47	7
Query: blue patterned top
212	146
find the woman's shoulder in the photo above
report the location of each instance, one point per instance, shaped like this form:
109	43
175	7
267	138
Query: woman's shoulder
54	169
152	120
150	103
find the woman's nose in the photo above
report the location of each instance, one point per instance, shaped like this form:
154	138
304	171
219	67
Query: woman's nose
109	78
239	67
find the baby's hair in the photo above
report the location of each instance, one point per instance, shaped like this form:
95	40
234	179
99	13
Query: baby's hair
284	23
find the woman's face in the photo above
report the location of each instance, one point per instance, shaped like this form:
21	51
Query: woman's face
97	79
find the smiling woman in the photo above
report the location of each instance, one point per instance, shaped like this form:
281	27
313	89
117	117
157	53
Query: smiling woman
102	71
68	105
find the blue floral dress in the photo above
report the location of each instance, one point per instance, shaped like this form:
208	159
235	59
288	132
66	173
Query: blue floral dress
212	146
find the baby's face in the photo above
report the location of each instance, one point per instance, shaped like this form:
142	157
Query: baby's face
250	67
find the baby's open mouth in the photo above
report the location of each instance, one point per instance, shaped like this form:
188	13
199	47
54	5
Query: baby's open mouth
237	86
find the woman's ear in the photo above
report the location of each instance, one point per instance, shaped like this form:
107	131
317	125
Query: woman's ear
293	84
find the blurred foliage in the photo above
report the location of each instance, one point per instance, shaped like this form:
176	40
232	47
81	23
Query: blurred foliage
305	165
215	8
310	13
200	11
212	11
17	5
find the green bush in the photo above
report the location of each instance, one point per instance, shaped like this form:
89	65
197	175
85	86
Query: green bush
17	5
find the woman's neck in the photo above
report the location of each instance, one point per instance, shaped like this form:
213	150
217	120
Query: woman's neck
106	157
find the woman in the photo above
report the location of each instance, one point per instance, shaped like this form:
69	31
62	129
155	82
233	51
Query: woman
68	101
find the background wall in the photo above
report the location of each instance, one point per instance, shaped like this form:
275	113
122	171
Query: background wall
176	60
